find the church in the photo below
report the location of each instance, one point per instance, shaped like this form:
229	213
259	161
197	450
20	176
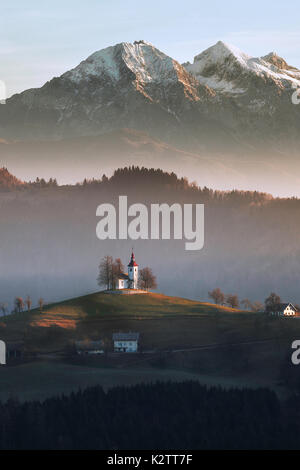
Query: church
129	280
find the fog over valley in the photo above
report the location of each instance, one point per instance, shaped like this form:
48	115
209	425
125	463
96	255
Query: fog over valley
49	246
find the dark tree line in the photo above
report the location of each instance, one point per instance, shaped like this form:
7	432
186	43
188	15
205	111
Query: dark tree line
42	183
142	176
155	416
8	182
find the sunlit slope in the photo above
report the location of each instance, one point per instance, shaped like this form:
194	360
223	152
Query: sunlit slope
162	321
165	324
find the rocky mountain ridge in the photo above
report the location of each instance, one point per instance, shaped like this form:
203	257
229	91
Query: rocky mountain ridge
225	101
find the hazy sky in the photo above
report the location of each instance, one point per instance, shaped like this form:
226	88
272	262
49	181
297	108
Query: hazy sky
40	40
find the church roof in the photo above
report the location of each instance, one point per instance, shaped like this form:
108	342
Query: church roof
132	261
123	276
131	336
283	306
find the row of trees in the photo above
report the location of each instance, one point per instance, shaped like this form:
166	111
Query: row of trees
42	183
231	300
135	176
20	305
271	304
110	270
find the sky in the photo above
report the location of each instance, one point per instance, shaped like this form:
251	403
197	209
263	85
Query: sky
40	40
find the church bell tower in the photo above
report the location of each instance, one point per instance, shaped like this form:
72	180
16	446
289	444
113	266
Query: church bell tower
133	273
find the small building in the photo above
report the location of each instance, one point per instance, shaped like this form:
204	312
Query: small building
126	342
123	281
89	347
286	309
2	353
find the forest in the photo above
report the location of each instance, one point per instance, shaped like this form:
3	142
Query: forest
186	416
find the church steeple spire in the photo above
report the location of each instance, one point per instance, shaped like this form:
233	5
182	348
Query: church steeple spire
132	260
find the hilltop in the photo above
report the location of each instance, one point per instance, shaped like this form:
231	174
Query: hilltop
165	323
180	339
100	314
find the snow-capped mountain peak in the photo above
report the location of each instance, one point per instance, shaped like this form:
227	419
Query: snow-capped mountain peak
221	51
95	65
225	94
141	58
122	85
226	68
274	59
139	65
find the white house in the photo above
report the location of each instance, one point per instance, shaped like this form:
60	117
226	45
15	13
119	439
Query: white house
126	342
286	309
130	279
2	353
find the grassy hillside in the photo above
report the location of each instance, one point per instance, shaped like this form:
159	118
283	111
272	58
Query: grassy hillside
186	336
162	321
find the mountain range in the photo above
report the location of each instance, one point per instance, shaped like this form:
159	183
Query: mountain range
226	109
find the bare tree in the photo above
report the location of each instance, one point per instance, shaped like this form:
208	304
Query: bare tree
119	266
117	269
257	307
147	280
3	308
247	304
41	304
105	277
217	296
28	303
272	302
19	304
232	300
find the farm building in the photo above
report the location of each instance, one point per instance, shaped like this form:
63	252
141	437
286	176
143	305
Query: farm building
2	353
89	347
286	309
126	342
